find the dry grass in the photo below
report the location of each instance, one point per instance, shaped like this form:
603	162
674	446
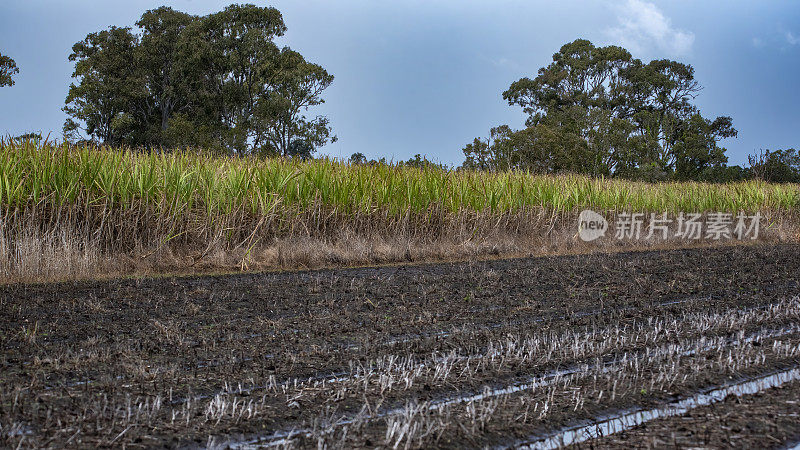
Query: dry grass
28	254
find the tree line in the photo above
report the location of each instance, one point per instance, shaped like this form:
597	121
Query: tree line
218	82
599	111
221	82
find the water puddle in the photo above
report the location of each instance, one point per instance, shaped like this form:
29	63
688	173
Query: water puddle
625	420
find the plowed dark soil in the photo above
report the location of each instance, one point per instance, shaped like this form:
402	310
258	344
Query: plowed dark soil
340	357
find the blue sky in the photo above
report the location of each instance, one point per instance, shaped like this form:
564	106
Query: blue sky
427	76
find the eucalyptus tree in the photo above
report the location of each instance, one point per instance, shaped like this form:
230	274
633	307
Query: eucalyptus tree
280	122
598	110
8	68
109	81
161	69
218	81
256	93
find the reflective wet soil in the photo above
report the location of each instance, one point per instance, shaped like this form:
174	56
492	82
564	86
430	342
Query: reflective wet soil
495	353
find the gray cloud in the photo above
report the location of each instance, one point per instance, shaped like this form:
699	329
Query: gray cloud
643	27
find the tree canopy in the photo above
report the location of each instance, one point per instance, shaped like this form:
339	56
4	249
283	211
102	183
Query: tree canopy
218	81
8	68
778	166
599	111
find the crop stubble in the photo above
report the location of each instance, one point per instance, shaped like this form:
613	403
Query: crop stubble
472	354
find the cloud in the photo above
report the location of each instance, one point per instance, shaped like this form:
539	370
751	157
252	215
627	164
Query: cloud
498	61
504	63
791	38
758	42
643	27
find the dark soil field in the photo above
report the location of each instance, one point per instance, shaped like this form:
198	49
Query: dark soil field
497	353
